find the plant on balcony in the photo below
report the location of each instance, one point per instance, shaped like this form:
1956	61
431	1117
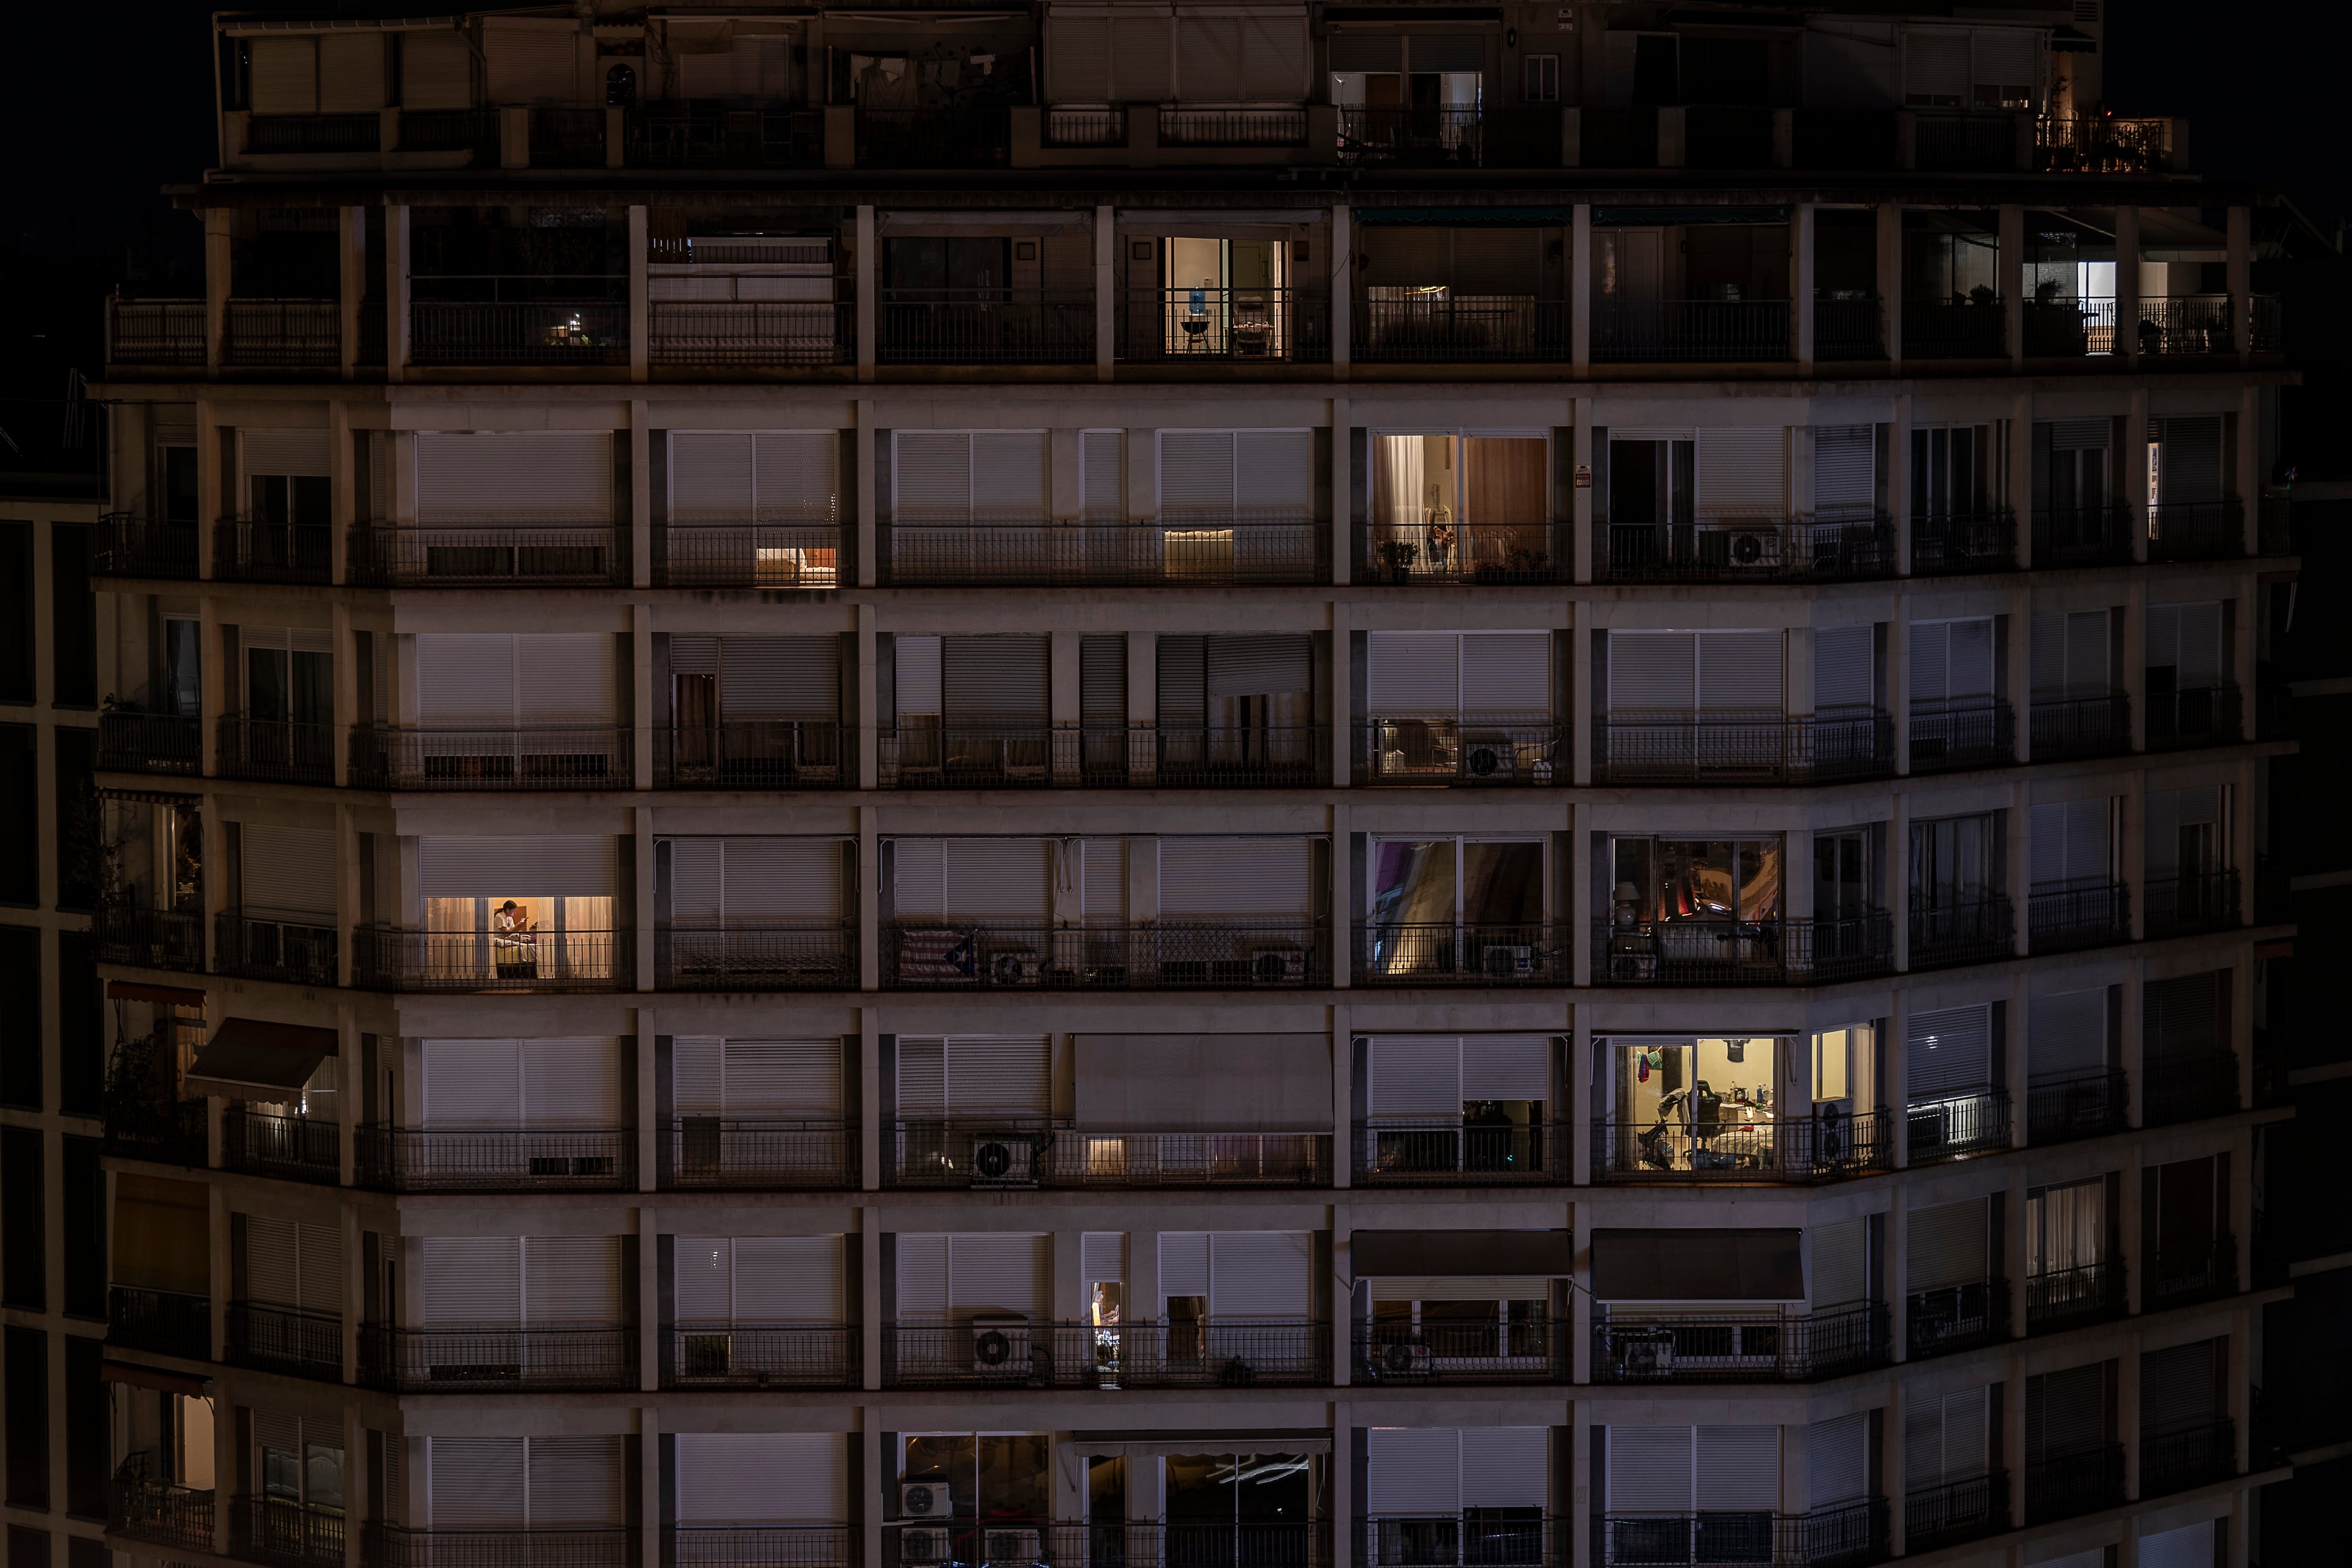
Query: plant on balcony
1397	557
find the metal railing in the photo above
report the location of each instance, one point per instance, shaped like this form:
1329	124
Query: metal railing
1709	952
2265	310
1176	326
760	1355
1066	126
967	1155
169	1322
984	326
1690	331
2203	901
313	132
2197	530
980	137
1741	1347
279	1530
732	957
474	131
284	750
927	956
2066	1298
298	1148
2187	324
495	1158
1016	1354
1955	1511
1485	1352
2082	536
1473	1540
2195	716
1403	326
394	1546
960	755
1411	134
1637	747
299	951
755	753
130	743
2102	144
2189	1088
1450	750
155	331
1982	930
1952	329
761	1546
565	757
1820	1146
580	554
1851	1535
696	136
1966	140
1396	953
159	1512
2078	1105
1956	1124
1453	1151
1849	329
2189	1455
2179	1275
803	332
2072	726
2274	525
121	545
728	1153
1207	550
497	1360
2070	329
1951	544
304	332
172	1133
1956	733
2083	912
151	939
1401	554
2082	1480
750	555
1762	550
394	958
518	332
282	1338
1270	1543
1957	1317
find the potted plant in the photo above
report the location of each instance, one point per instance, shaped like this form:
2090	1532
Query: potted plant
1397	556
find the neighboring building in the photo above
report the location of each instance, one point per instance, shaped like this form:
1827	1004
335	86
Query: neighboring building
1191	784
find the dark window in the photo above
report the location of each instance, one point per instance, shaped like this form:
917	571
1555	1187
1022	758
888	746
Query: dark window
16	611
27	1547
180	484
20	1017
24	1276
86	1441
26	1360
81	823
81	1024
84	1218
83	1552
20	816
73	618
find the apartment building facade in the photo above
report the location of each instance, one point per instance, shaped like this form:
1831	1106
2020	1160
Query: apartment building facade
1248	785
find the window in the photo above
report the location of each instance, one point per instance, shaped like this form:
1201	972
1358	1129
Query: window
179	500
288	676
1952	861
23	1268
16	611
181	675
20	1019
989	1476
26	1362
518	908
1457	504
295	1466
1665	880
1952	470
1843	888
20	816
2066	1226
73	626
1427	895
1841	1063
1706	1104
1542	78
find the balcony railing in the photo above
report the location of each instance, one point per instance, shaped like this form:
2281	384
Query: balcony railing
2070	329
748	554
2103	144
957	755
1955	1511
1206	552
2071	727
490	555
1705	952
1741	1347
755	753
984	326
1851	1535
2083	1480
2189	1088
973	138
967	1155
2189	1455
156	333
1980	931
2182	1274
760	1355
1823	1146
805	333
2197	530
308	334
151	939
173	1132
2082	536
159	1512
498	1359
1760	551
726	1154
1957	1317
1213	325
1664	746
1412	326
2063	917
246	551
1269	1543
1449	751
358	132
761	1546
1440	1353
1951	545
1449	1151
474	131
1956	733
121	545
2207	901
732	957
1534	953
590	331
1965	1123
495	1158
1476	1539
281	1339
281	1530
1689	330
1412	135
2197	716
1404	554
2067	1297
1961	139
1013	1353
170	743
297	1148
282	750
393	1546
925	955
550	756
2077	1105
2187	324
390	958
692	135
1849	329
170	1322
1949	329
298	950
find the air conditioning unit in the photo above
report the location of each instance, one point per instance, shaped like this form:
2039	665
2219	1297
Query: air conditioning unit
923	1499
1000	1347
1751	548
1409	1359
705	1355
1277	963
1003	1548
1013	966
1645	1353
1488	759
1007	1157
923	1543
1510	963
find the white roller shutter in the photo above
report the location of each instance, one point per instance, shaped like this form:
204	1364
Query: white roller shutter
1257	664
1415	1074
1949	1243
1260	1274
705	1279
1102	1257
273	1261
1414	1471
1103	894
473	1083
1935	66
780	879
1743	473
1950	1051
997	679
797	476
788	1279
1844	669
919	878
1196	473
1738	1470
567	866
2176	1386
466	678
762	1478
321	1267
1102	475
1845	470
574	1081
1739	671
1005	881
1505	1067
1184	1263
1413	672
1653	670
284	76
436	70
2070	653
2007	57
1077	54
472	1282
1951	660
999	1075
917	672
1273	473
531	61
2190	1546
1275	54
1208	57
697	880
1505	1467
2069	841
760	1078
2066	1032
1840	1263
570	1278
350	73
1008	476
577	1483
301	454
922	1075
709	477
922	1277
475	1483
992	1274
548	475
933	475
1507	672
779	677
1264	878
565	678
286	870
1945	1440
1650	1470
1840	1459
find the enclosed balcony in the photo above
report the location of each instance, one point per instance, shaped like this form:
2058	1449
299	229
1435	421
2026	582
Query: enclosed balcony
1634	746
1453	750
729	1153
511	1359
1215	325
286	1532
1732	1346
712	553
755	753
263	549
469	1159
961	755
546	318
1013	1354
1981	930
2190	1270
284	333
1458	295
1012	1151
395	1546
1400	952
266	945
1489	1147
1240	956
750	299
2103	144
281	751
759	1355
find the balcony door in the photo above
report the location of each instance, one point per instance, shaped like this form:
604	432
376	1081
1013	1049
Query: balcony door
1707	1105
1951	470
2072	462
1439	1104
1457	905
1691	1494
524	911
736	1479
1470	705
2186	654
1698	901
1238	1511
299	1465
1953	862
1437	1496
2066	1227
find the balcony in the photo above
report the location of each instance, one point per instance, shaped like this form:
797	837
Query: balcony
282	1532
2102	144
2066	728
1038	756
761	1546
1206	552
2207	901
1814	1148
1536	953
2082	536
2087	911
1447	751
284	333
2197	530
984	326
1707	951
1472	1537
280	1339
1958	1125
1957	1318
985	1353
1403	325
1980	931
1852	1535
1629	331
1954	329
1955	545
495	1158
245	550
2197	716
925	955
2189	1088
1764	550
705	135
807	957
1267	1543
1849	329
1191	127
1956	1511
2193	325
748	554
1490	555
1216	326
1451	1152
715	1154
392	1546
2078	1105
541	757
2189	1455
974	138
167	743
158	332
1959	734
577	322
451	130
280	751
299	950
1411	136
755	753
2182	1274
2275	525
392	958
490	555
169	1322
2070	329
760	1355
292	1148
169	1132
2069	1298
774	333
1965	141
121	545
1736	1347
151	939
2084	1480
158	1512
1667	746
1441	1352
513	1359
969	1155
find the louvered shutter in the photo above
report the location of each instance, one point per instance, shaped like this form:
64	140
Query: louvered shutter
466	678
1275	54
1505	1467
2184	1015
570	1278
1184	1263
1208	59
1845	470
2086	653
273	1429
1078	56
2069	841
284	76
436	70
1008	476
997	679
2096	1557
477	1483
1273	473
1001	1075
2066	1411
530	61
297	453
1650	1470
1235	878
1142	55
693	655
1949	1245
548	475
775	1078
1944	1440
273	1261
1739	671
1196	473
917	676
919	878
577	1483
1743	473
762	1478
286	870
2196	636
1181	675
1415	1075
1652	672
2176	1386
1413	672
1260	1274
1935	66
990	1273
1257	665
1102	475
1738	1469
1103	895
321	1268
2170	811
1931	661
709	477
1841	1263
781	879
2007	58
1507	672
573	1081
564	678
1950	1051
1844	669
350	73
697	1074
788	1279
1414	1471
2066	1032
2189	459
1353	52
472	1280
1970	673
999	880
922	1277
1102	1257
1102	681
1446	52
473	1083
566	866
797	476
932	483
1505	1067
696	881
1840	1471
705	1273
2189	1546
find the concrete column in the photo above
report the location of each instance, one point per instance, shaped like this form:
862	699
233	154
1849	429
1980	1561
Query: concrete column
1898	480
1890	278
1577	1094
514	136
869	256
1899	683
350	285
642	917
1343	1132
1580	1493
1579	293
2011	276
870	903
861	487
1343	903
1345	1548
640	495
396	289
1343	1266
644	1024
1343	703
2127	1355
347	917
342	508
1343	289
218	264
2013	1258
869	1126
2020	871
650	1437
1143	700
2129	1056
2128	285
870	721
640	307
2135	485
2134	674
2017	473
1800	308
641	697
2012	1418
2248	493
1896	1057
646	1223
1343	493
2018	693
1106	240
1579	699
1579	522
2239	261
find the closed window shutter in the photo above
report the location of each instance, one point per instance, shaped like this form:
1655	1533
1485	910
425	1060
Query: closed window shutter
473	1083
286	870
988	1274
1008	476
696	881
1235	878
697	1074
693	655
1196	473
916	673
919	878
1505	1067
782	879
705	1269
2189	1546
788	1279
1844	673
570	1278
1103	896
565	678
1414	672
2176	1386
472	1282
1652	672
2196	658
1840	1262
2077	435
1743	473
1505	1467
1102	1257
1415	1075
1001	1075
436	70
797	476
2189	459
1935	66
466	678
1931	661
2184	1016
477	1483
933	478
778	1078
1257	665
1845	470
272	1429
1446	52
1260	1274
2066	1032
1414	1470
762	1478
1102	681
2069	841
2170	811
2066	1411
566	866
577	1483
922	1282
1102	475
285	76
1949	1245
1142	55
998	680
531	61
1208	59
299	453
1650	1470
1184	1263
2086	653
1738	1469
1840	1459
350	73
323	1268
709	477
1506	673
1078	56
573	1081
1739	671
1001	881
1273	473
1275	55
273	1262
1970	671
2007	58
1950	1051
1367	52
1181	675
558	476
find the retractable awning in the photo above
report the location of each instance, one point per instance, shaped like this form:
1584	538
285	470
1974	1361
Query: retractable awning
1697	1266
250	1059
1454	1254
